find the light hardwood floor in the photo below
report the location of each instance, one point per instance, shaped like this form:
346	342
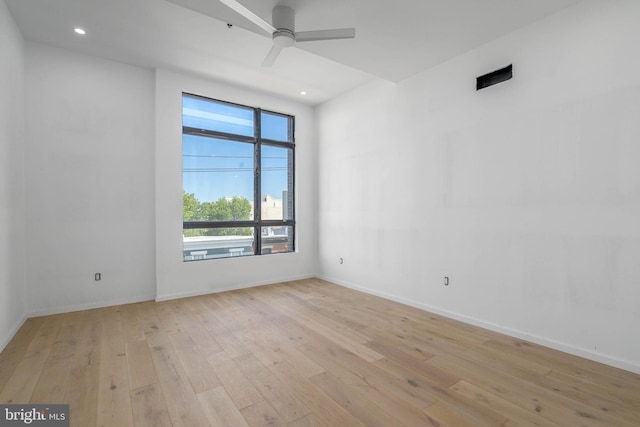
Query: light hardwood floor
305	353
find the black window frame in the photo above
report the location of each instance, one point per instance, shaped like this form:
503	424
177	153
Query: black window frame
258	141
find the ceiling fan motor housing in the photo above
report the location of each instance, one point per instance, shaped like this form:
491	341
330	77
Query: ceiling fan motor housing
284	38
283	19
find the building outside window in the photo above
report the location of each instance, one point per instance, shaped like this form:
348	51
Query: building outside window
237	180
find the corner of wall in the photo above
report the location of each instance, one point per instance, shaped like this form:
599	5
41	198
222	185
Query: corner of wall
12	206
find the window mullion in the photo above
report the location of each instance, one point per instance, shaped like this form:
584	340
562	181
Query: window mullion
187	225
257	196
215	134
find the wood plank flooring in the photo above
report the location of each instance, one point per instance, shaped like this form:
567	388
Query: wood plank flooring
297	354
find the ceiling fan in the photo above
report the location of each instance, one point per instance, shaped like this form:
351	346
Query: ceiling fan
282	29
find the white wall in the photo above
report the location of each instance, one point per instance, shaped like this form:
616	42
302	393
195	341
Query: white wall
176	278
12	226
526	194
89	179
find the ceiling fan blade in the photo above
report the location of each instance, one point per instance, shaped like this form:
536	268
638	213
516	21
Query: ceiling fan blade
271	56
338	33
233	4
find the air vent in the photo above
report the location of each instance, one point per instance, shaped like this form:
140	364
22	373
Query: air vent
494	77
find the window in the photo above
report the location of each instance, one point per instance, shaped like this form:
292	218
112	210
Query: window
237	180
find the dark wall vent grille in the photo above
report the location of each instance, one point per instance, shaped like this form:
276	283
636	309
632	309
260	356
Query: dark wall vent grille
494	77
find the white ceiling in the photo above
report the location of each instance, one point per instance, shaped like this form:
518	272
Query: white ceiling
395	39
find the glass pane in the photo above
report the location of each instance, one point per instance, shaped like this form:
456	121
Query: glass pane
218	116
277	183
276	127
217	179
208	243
276	240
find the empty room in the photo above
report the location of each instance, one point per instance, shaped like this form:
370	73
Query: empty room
320	213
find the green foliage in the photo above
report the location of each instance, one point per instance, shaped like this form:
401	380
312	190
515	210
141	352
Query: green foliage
234	209
189	206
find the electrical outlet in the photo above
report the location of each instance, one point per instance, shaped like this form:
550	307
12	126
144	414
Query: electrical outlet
97	277
446	280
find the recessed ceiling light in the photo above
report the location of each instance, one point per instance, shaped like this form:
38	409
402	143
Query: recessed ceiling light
303	92
80	31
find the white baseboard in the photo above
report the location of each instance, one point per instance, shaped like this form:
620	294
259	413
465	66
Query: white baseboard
627	365
195	293
4	340
37	312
